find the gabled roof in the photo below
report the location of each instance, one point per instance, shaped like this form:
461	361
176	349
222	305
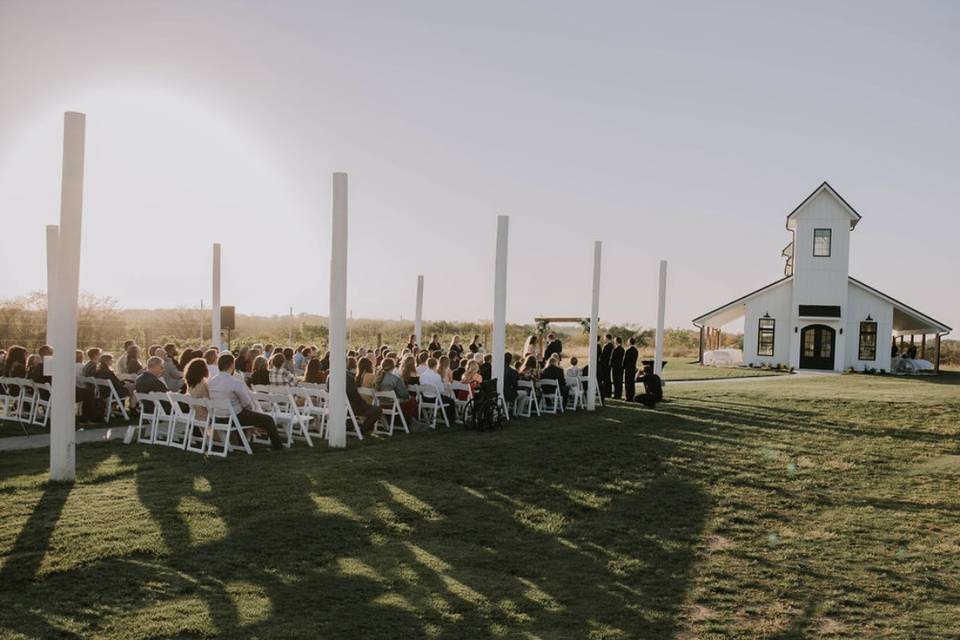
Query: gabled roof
903	309
825	186
719	311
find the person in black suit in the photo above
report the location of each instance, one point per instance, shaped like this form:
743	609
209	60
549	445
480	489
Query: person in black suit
486	369
653	388
554	346
603	367
149	381
553	372
630	369
616	367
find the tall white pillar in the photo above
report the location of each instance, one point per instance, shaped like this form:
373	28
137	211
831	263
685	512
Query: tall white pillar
66	292
500	300
215	315
337	425
661	311
53	236
594	321
418	318
201	323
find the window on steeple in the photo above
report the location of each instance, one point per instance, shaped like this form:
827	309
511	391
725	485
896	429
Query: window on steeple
821	242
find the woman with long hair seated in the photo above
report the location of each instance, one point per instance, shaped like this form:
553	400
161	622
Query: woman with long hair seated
388	380
365	375
471	376
105	372
196	378
530	371
408	371
260	375
314	374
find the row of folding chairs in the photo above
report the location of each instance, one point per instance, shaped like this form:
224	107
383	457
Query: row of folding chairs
22	400
549	399
105	390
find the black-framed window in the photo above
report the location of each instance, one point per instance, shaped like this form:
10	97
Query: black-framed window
868	341
765	335
822	239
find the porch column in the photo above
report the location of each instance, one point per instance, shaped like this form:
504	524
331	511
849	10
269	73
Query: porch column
923	346
936	365
700	359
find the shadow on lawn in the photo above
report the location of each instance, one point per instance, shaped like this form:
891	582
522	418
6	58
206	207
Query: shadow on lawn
551	527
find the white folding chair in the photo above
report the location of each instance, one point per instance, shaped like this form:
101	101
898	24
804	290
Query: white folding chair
198	428
147	420
222	419
391	409
181	414
530	403
352	417
288	413
9	401
585	385
574	394
552	398
107	391
41	404
28	397
315	405
431	403
461	405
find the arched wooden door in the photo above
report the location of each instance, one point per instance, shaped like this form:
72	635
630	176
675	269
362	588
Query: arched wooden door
817	347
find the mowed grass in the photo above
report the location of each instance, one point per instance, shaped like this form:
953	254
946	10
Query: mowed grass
794	508
689	369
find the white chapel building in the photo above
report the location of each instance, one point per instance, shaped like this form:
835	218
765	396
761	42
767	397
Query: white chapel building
817	316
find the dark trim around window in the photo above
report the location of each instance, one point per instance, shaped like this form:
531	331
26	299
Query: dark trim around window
766	336
829	237
868	349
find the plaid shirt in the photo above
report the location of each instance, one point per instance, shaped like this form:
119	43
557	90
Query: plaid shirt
281	377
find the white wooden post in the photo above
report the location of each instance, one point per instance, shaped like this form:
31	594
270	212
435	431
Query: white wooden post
215	315
500	300
594	320
337	425
290	330
201	323
661	311
66	292
53	236
418	318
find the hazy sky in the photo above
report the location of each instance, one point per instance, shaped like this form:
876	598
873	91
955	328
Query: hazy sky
684	131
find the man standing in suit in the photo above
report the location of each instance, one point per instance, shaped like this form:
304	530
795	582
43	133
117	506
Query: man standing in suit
554	346
604	366
616	366
630	369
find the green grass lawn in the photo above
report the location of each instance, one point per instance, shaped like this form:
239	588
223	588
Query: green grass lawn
794	508
689	369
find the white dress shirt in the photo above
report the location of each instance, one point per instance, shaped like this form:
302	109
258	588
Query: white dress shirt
225	387
431	377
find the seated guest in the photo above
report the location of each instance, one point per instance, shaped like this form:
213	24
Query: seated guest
431	384
313	374
471	376
185	358
172	374
150	381
93	353
459	366
278	374
132	360
242	361
553	372
422	362
298	357
573	371
366	378
260	375
267	351
388	380
288	360
486	368
105	372
37	372
408	371
443	368
15	366
224	386
362	409
211	355
195	377
530	371
653	388
122	363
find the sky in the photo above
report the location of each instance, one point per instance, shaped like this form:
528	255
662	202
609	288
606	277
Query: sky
680	131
